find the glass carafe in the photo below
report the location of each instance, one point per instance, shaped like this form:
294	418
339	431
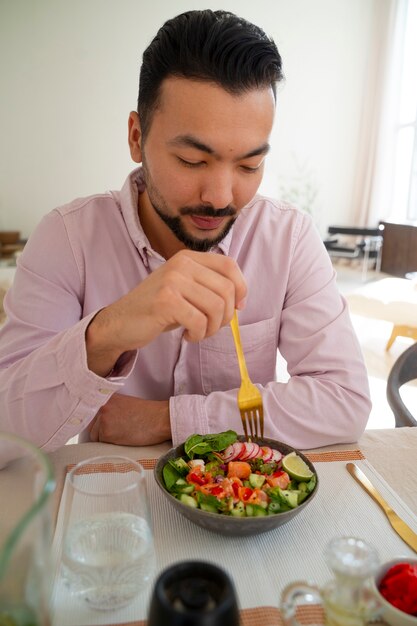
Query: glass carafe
346	599
25	533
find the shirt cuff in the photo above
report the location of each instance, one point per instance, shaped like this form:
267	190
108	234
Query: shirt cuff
188	416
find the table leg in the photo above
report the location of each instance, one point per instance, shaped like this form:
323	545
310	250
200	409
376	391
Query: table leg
401	331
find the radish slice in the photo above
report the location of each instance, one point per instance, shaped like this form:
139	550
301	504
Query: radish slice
276	456
228	454
266	453
238	448
254	452
247	452
259	454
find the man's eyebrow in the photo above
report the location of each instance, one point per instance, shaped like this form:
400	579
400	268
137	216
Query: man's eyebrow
264	149
193	142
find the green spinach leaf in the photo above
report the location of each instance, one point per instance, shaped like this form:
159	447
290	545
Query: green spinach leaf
170	475
203	444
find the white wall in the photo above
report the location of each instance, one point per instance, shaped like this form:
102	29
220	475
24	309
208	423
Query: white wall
69	74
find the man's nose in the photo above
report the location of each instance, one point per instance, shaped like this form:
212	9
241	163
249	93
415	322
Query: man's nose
217	189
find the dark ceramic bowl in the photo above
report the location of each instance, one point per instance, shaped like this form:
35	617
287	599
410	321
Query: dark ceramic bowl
225	524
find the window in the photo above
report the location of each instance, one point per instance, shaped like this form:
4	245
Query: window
404	191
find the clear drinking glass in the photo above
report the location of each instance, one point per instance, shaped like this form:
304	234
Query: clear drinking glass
108	552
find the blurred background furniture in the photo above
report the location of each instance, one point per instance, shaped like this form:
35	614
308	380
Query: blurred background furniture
11	245
399	254
356	243
403	371
6	279
391	299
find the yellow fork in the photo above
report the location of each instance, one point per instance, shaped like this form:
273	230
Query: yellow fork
249	397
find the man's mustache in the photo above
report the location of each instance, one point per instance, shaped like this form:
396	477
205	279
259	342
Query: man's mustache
207	211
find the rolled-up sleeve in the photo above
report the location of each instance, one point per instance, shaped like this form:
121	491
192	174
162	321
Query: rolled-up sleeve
47	392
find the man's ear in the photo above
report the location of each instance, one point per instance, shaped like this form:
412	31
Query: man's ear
134	137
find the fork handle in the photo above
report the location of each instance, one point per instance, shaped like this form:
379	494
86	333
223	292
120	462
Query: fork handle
239	350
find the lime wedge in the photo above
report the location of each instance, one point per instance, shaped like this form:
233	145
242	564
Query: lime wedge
296	467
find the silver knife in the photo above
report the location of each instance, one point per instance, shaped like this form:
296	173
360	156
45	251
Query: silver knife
400	527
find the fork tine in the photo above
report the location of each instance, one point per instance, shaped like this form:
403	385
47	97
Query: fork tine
255	417
244	424
249	421
253	425
261	420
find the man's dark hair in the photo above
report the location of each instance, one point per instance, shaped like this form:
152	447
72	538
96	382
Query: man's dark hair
212	46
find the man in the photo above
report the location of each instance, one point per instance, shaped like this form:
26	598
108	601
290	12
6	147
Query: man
119	313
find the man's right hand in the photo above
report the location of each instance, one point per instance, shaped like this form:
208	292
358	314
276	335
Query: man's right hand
196	290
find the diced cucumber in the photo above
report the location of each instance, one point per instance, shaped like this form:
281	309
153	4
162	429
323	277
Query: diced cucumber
290	497
208	500
238	510
208	507
214	468
188	500
256	480
274	507
181	486
187	488
249	510
255	510
302	496
312	483
225	506
180	465
303	487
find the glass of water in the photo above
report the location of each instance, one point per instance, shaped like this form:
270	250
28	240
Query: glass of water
108	552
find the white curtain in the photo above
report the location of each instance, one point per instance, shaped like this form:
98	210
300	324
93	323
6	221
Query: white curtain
375	163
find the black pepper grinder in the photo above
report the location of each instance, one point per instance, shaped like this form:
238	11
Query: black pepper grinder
193	593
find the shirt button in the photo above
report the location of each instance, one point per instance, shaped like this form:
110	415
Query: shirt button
105	391
75	421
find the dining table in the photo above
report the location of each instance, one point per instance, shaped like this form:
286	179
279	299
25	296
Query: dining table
391	454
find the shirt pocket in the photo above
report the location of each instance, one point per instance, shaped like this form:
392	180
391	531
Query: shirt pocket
218	358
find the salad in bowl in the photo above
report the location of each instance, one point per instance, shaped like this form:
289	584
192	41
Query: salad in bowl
233	486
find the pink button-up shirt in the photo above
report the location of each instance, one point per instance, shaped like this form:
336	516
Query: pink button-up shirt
87	254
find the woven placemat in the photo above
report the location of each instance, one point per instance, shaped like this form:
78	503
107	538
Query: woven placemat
149	464
307	615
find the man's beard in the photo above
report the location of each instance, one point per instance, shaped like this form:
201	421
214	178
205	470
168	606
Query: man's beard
175	223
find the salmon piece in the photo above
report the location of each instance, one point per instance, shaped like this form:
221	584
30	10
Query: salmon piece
238	469
278	479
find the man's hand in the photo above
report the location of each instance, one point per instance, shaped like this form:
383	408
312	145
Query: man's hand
129	421
196	290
